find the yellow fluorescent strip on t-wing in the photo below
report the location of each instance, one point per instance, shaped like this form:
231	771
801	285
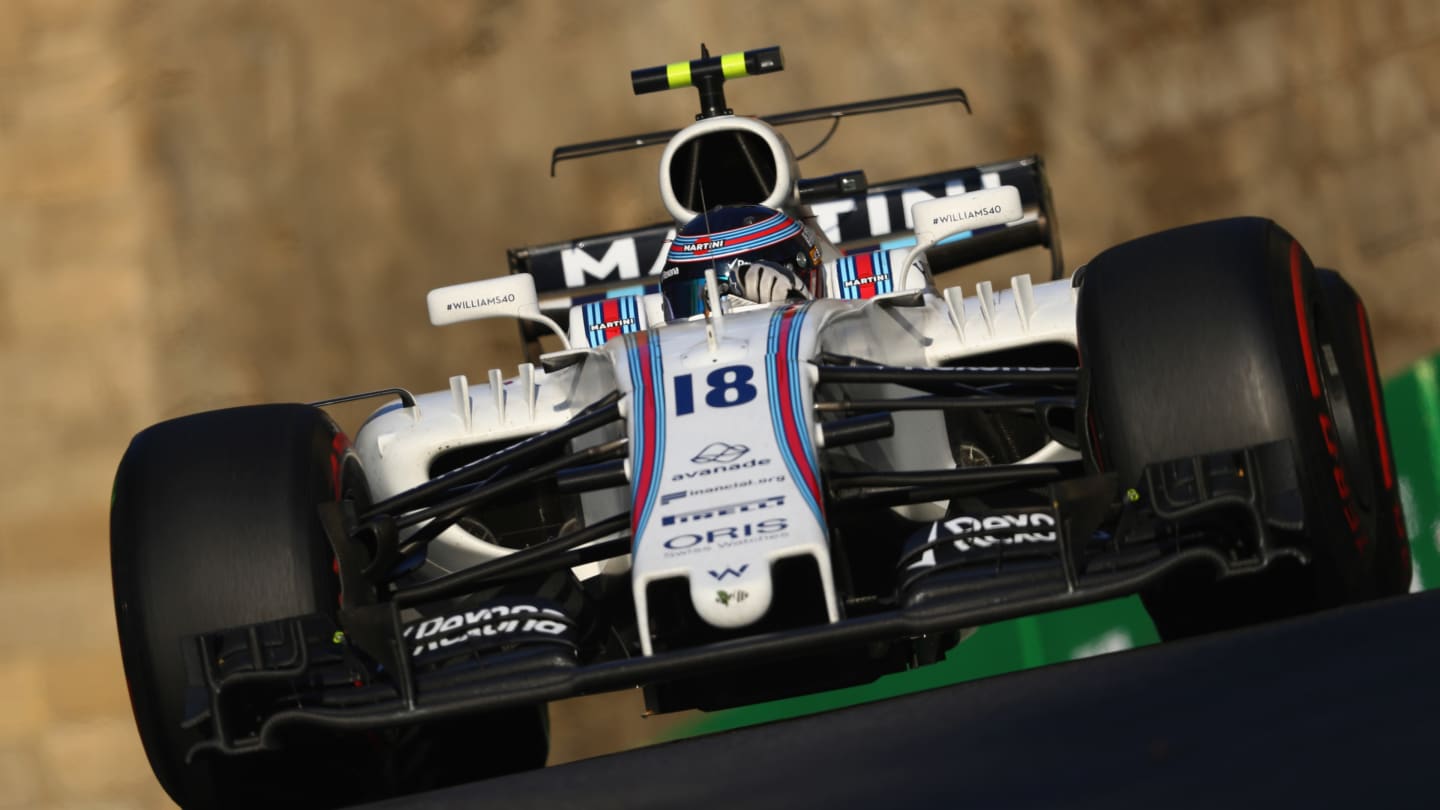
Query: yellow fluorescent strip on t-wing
678	74
732	66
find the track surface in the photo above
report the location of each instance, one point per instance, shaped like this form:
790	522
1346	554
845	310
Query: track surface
1333	710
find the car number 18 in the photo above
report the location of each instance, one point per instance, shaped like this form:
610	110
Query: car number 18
729	386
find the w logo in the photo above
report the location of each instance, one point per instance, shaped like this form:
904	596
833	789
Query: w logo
729	572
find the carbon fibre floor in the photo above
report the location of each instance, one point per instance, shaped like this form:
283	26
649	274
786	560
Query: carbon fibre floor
1333	710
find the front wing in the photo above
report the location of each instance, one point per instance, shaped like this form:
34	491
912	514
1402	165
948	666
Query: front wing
416	654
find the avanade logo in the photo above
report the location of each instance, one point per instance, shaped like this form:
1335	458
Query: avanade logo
720	453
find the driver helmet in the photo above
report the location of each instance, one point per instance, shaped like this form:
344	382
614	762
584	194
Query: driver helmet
760	255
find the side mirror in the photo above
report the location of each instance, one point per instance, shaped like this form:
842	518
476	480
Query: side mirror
511	296
947	216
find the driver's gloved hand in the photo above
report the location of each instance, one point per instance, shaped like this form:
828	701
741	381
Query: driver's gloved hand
764	283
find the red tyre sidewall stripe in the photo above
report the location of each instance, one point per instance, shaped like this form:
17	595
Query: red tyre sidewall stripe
1304	322
1374	384
338	447
1348	504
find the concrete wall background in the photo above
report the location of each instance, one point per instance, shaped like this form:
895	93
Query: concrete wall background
206	204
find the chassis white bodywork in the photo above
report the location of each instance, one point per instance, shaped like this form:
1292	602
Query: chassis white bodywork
398	445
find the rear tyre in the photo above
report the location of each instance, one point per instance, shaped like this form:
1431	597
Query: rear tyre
1220	336
214	525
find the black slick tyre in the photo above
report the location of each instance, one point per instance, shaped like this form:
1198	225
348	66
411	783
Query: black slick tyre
1220	336
214	525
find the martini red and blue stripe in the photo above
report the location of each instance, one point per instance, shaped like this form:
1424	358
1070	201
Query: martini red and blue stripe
610	317
865	275
723	244
647	431
785	377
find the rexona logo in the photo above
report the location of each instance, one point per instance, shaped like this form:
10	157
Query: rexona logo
440	632
1042	527
965	216
758	530
722	511
477	303
720	453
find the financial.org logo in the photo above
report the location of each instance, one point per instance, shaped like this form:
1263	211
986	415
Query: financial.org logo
720	453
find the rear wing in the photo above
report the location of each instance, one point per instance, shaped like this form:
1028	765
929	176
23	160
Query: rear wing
854	217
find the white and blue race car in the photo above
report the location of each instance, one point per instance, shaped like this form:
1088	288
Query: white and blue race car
758	501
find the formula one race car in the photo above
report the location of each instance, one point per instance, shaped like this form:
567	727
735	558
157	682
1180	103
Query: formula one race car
726	500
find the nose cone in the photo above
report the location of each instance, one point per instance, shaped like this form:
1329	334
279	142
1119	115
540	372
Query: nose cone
732	597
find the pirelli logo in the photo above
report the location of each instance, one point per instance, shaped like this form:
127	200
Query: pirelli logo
723	511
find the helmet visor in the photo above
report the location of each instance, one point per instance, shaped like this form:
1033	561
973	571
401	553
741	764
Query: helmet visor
684	297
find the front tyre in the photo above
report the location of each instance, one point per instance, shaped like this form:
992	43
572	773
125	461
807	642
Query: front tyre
214	525
1219	336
